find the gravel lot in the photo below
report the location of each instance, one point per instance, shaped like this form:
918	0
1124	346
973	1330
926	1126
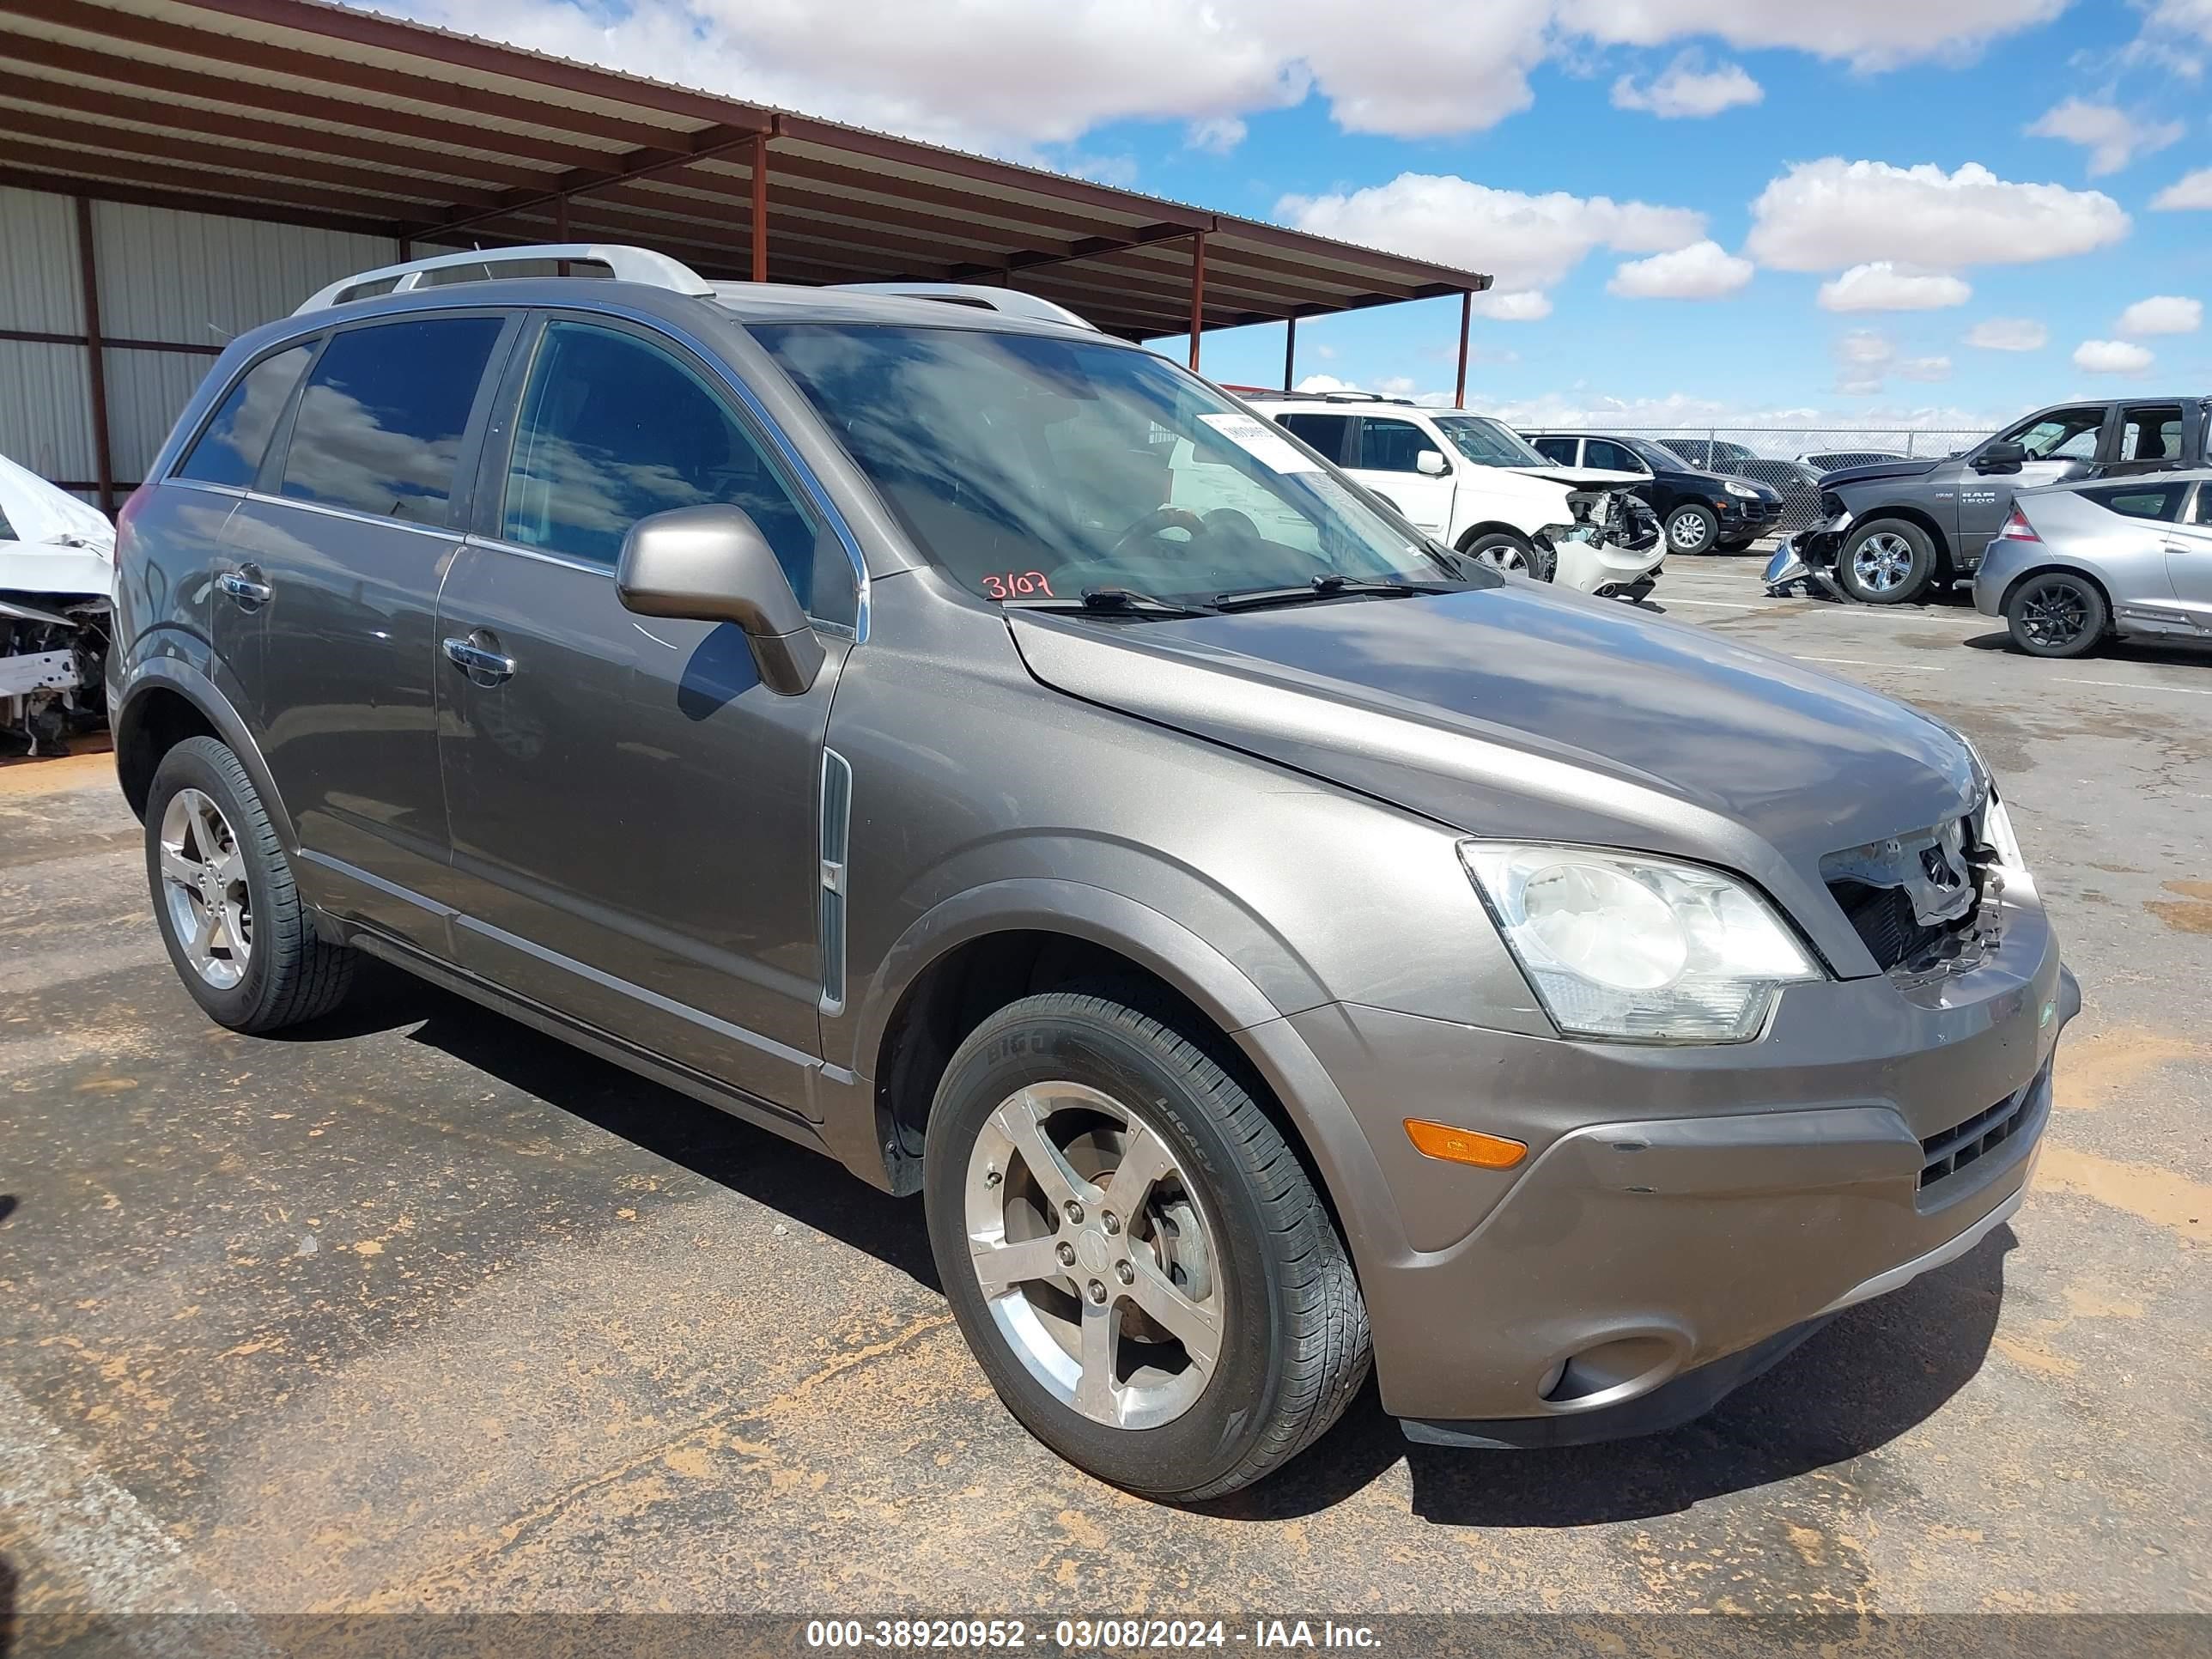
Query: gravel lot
422	1310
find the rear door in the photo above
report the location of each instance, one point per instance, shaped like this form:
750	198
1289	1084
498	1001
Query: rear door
2146	437
634	816
334	562
1387	462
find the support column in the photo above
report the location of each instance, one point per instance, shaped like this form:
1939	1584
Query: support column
1197	293
1466	319
760	207
561	230
103	452
1290	353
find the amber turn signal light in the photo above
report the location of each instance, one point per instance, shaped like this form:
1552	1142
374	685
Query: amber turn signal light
1441	1140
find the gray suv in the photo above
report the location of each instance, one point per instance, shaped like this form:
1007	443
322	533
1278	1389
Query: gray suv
974	748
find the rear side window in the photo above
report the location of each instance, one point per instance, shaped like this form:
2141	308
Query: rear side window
1604	452
2151	431
2140	501
1325	433
1556	449
2203	513
1392	445
613	429
380	424
229	448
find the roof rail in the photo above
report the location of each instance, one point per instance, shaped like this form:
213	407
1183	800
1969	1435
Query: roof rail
981	296
628	265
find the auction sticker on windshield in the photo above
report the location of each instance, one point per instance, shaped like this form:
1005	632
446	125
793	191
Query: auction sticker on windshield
1262	442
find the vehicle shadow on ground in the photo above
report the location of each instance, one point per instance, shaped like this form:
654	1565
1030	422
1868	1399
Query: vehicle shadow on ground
1875	1373
2152	652
1879	1371
789	1179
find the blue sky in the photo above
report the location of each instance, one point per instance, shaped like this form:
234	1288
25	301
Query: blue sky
1862	188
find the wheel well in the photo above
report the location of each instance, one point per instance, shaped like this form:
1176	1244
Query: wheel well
153	725
2014	585
970	982
1476	533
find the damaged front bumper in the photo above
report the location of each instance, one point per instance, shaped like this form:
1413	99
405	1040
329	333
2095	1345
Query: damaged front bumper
1614	549
1807	557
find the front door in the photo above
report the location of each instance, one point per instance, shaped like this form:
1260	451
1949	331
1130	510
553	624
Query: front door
2188	546
2060	444
1389	465
335	565
634	816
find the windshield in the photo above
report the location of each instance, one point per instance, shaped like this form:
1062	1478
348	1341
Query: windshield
1487	443
1658	455
1030	466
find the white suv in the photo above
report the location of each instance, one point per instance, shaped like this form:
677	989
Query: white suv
1474	484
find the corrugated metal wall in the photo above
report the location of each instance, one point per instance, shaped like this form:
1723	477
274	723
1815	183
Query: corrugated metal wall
189	279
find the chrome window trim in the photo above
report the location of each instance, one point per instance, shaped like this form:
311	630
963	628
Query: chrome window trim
444	532
792	458
236	492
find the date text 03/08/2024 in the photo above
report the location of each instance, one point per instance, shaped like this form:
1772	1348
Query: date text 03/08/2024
1086	1636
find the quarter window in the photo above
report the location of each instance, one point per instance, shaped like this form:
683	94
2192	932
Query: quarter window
380	424
1392	445
613	429
2140	500
228	450
1325	433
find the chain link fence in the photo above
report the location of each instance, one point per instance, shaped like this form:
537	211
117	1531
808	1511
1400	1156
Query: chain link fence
1786	459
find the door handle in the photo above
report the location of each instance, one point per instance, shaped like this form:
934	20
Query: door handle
247	585
2172	546
479	655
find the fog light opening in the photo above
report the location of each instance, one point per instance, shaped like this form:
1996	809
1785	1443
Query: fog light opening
1610	1372
1550	1380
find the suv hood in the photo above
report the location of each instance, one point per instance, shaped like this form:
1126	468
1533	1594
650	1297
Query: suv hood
1580	477
1516	711
1877	469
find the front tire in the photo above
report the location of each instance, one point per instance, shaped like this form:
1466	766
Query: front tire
1134	1252
238	934
1504	550
2057	614
1887	562
1693	527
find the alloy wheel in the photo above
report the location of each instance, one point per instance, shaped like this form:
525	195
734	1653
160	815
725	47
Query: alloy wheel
2053	613
1503	556
204	887
1882	562
1687	534
1100	1269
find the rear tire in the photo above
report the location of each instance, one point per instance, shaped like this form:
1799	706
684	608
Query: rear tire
1693	527
2057	614
1040	1112
238	933
1886	562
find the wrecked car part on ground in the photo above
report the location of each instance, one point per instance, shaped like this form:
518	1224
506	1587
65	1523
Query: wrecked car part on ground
56	566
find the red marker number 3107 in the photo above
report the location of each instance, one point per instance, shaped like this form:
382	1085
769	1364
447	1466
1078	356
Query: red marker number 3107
1013	583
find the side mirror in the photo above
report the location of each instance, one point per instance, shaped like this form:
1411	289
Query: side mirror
2000	457
1431	463
712	564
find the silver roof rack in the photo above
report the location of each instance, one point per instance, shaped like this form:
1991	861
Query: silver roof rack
627	264
981	296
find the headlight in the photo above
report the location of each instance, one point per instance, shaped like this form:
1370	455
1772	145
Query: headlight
1735	489
1619	945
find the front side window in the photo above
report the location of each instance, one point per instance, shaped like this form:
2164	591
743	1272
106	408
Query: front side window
1031	465
1392	445
2151	431
229	448
1325	433
2065	435
1487	443
380	423
614	429
2203	513
2141	500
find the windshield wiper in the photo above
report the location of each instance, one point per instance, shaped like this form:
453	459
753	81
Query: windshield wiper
1103	601
1325	586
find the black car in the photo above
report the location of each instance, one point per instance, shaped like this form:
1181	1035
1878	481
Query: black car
1704	512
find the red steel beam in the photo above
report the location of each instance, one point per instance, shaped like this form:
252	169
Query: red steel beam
760	209
1290	352
1197	293
1466	319
103	455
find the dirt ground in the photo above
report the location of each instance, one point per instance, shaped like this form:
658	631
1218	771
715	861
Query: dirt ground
418	1310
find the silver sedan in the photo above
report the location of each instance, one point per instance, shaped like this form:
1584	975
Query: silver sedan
2077	563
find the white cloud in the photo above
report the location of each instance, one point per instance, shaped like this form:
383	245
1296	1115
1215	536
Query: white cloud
1527	242
1883	286
2192	190
2163	313
1217	135
2112	357
1703	270
2185	17
1324	383
1822	215
1864	349
1686	88
1867	34
2110	134
2008	334
1923	368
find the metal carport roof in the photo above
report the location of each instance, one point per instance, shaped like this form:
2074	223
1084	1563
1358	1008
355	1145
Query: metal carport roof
319	114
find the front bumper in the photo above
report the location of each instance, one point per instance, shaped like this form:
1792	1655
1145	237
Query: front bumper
1744	1190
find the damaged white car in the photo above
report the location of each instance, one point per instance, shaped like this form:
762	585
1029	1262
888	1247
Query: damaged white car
57	575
